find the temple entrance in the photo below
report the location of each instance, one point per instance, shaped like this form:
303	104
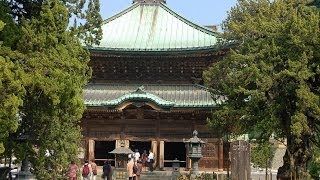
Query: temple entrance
101	151
173	150
140	145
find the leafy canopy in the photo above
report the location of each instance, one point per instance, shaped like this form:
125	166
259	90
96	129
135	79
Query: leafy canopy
85	13
11	92
271	80
56	72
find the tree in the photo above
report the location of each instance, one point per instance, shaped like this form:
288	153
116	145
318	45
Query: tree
271	80
56	71
11	92
87	19
10	33
314	165
93	24
262	154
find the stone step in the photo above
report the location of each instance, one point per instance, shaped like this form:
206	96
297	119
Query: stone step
158	175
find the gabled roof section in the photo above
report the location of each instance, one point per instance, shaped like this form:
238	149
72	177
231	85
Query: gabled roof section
153	27
165	96
138	96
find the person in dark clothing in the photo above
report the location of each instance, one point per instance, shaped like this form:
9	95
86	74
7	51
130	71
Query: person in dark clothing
107	171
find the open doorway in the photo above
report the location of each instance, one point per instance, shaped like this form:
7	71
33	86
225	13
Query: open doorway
140	145
101	152
172	151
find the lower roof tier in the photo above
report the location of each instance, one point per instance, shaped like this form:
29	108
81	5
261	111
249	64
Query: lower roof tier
163	96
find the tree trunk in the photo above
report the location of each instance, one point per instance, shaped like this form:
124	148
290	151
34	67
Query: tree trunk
284	171
295	160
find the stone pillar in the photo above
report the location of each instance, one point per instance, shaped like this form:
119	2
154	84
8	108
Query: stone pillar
240	160
195	167
220	155
154	149
91	149
25	171
161	155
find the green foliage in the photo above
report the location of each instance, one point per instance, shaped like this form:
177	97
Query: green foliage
10	34
42	81
314	165
262	154
11	91
271	81
56	72
92	24
87	12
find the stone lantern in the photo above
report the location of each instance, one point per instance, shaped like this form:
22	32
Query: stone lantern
25	172
194	145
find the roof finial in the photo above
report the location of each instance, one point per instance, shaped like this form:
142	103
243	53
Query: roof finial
149	1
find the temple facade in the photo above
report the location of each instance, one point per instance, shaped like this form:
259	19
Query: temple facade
146	88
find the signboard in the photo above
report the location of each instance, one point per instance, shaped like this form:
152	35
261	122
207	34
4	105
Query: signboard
240	160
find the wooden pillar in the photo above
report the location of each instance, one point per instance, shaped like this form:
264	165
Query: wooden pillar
161	154
91	149
188	160
117	143
220	155
126	143
154	149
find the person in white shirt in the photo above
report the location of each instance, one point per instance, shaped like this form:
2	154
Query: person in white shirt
136	155
151	160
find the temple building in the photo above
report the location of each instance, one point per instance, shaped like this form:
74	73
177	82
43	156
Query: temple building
146	88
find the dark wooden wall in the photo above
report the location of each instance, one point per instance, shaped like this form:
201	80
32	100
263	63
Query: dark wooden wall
149	70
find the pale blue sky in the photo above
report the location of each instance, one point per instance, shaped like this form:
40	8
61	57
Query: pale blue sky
202	12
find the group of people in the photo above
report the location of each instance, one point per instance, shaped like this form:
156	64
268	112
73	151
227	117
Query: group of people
89	171
137	163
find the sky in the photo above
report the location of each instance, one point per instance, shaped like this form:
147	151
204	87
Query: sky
202	12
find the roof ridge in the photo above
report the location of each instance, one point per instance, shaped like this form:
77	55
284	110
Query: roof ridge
128	9
165	7
188	22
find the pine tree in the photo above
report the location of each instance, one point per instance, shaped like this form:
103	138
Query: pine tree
271	81
86	14
56	72
11	92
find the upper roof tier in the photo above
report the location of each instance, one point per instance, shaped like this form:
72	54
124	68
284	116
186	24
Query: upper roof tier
147	26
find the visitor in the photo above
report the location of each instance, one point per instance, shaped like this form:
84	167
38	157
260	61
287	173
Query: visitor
144	159
94	169
136	155
130	166
107	171
86	171
72	171
150	160
140	166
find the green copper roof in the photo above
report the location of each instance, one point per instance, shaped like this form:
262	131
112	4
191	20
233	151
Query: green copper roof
153	27
165	96
139	95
